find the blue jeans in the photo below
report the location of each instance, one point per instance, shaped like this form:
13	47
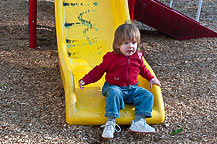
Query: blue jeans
116	96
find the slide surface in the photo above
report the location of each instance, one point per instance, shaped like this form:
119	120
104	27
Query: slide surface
85	30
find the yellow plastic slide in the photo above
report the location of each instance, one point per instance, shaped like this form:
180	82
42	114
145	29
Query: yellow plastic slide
85	30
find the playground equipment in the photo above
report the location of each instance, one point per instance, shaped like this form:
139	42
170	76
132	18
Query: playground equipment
167	20
32	23
198	9
85	32
175	25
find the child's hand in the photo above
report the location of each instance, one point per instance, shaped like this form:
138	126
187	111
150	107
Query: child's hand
154	81
81	84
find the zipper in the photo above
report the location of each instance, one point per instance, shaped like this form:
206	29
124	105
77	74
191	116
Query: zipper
128	70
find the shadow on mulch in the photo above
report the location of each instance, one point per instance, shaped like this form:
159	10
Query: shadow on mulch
45	39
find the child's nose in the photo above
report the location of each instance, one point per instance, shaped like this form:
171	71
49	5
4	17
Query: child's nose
130	44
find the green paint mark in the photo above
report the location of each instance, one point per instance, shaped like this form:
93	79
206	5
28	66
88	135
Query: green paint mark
68	46
96	3
88	23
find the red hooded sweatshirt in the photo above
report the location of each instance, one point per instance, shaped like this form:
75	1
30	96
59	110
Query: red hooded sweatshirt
120	70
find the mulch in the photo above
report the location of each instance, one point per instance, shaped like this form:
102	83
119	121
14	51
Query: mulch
32	96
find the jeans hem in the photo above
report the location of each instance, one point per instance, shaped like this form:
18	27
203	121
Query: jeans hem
145	114
111	115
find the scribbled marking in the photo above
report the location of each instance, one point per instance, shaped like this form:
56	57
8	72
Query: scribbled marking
96	3
79	4
89	24
75	43
65	4
72	24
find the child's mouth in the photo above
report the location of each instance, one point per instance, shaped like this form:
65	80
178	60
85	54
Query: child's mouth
129	51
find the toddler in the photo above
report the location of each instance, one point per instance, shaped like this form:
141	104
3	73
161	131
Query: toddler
122	66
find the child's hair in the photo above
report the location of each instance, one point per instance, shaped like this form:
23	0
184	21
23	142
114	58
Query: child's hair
125	32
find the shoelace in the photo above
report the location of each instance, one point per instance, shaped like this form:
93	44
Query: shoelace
114	126
142	122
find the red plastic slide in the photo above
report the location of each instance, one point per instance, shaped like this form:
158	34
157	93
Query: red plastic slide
167	20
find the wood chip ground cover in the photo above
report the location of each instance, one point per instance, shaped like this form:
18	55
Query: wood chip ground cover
32	95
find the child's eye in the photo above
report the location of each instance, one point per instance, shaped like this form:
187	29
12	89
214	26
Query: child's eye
134	42
127	42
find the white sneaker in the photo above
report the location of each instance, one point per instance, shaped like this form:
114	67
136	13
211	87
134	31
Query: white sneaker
141	126
110	129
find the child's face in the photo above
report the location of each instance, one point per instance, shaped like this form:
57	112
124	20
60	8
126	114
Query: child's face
128	47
